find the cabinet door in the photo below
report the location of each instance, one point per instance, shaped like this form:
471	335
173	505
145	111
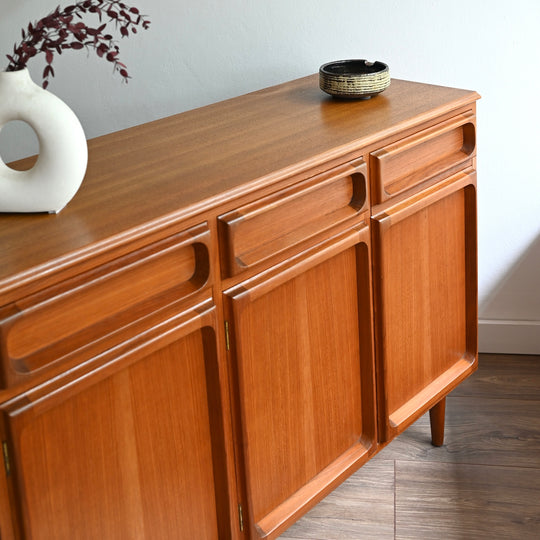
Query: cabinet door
425	299
302	353
127	451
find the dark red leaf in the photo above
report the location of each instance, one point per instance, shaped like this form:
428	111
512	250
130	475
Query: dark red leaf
102	49
45	84
48	71
134	10
124	73
76	45
124	31
48	57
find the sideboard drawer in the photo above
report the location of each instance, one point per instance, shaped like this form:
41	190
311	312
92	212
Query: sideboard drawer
274	224
440	149
95	309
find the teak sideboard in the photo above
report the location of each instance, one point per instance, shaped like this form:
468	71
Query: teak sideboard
242	305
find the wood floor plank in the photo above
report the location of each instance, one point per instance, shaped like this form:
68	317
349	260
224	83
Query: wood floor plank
478	431
503	376
456	502
361	508
484	483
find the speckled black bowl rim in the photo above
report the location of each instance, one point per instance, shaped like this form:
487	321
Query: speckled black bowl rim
382	69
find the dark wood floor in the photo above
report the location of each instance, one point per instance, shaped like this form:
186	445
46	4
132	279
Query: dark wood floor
484	483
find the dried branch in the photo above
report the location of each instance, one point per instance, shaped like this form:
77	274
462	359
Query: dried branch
63	29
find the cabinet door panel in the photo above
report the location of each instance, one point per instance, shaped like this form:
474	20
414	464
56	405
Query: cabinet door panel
426	294
304	365
126	452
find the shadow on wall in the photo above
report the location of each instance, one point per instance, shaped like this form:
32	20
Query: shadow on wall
510	314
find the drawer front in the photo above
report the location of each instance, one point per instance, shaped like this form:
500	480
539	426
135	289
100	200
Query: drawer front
284	220
99	306
442	149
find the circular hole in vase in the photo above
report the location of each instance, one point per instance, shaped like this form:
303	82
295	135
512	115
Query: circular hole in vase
11	135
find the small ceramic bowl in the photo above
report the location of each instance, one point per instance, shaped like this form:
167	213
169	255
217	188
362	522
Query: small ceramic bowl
354	79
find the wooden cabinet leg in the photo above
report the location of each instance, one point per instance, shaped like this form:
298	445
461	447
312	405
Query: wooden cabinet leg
436	418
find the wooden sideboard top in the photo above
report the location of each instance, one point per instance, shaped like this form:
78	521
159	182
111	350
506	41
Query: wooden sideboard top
148	176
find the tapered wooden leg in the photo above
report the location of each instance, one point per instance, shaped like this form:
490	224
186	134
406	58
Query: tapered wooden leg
436	418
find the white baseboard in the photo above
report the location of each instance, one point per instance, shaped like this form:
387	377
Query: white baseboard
509	337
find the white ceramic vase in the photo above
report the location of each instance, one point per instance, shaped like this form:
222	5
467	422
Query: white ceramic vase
63	153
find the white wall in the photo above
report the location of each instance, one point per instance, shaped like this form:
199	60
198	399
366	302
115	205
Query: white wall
200	52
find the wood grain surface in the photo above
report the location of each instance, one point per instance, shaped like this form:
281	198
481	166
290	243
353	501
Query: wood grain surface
169	168
246	324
